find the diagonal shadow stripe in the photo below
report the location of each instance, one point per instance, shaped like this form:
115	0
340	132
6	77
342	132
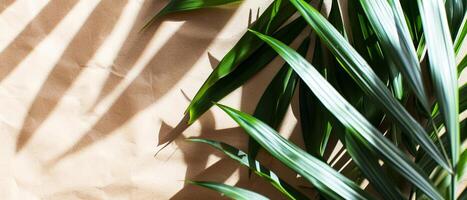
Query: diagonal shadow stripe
131	51
5	4
36	67
218	172
33	34
81	48
128	104
24	8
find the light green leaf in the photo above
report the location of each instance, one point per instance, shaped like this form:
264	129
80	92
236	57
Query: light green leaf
230	191
460	35
355	122
256	167
369	165
276	98
322	176
443	70
362	73
388	21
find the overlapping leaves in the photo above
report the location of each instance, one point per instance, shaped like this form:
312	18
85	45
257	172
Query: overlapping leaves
383	61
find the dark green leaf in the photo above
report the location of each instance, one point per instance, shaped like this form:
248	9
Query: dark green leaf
460	35
322	176
187	5
256	167
362	73
351	118
274	16
425	161
388	21
313	116
455	12
276	98
462	64
247	69
230	191
369	165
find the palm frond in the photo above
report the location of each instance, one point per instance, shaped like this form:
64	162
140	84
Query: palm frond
230	191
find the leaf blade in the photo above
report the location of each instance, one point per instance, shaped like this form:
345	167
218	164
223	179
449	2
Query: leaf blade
443	71
362	73
244	71
323	177
388	21
275	100
187	5
274	16
368	163
260	170
230	191
351	118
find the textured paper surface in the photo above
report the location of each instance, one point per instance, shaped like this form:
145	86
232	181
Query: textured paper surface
85	98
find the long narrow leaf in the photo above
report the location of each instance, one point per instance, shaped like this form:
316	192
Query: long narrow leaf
322	176
443	71
362	73
455	12
414	22
388	21
460	35
243	72
230	191
276	98
424	161
427	164
368	163
351	118
256	167
274	16
462	64
187	5
313	116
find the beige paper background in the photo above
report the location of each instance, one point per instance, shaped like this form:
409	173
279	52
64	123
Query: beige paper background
85	98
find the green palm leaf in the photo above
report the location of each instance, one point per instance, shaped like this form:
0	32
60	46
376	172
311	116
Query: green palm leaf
388	21
313	116
256	167
230	191
455	12
315	120
460	35
351	118
424	161
462	64
443	71
369	165
322	176
362	73
247	69
187	5
274	16
276	98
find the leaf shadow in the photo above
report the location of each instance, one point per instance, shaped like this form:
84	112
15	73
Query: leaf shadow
6	4
83	46
33	34
159	75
